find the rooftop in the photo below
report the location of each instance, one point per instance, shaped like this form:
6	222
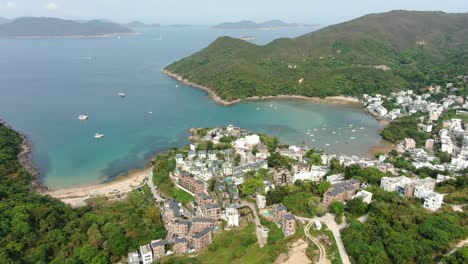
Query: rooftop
202	233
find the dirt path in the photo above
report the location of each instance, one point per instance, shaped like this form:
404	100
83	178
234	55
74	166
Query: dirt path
297	254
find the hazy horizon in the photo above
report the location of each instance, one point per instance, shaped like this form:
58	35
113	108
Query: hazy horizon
212	12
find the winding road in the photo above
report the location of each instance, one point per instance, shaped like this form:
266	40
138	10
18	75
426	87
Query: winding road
329	220
261	240
322	253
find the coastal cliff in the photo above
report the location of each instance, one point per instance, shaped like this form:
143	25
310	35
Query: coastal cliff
24	158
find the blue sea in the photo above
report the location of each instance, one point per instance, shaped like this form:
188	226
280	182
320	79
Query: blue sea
46	83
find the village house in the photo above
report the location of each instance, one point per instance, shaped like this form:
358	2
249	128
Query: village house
180	246
191	184
199	224
133	258
364	195
342	191
433	201
288	224
179	227
146	254
278	212
261	201
231	215
212	210
201	239
159	248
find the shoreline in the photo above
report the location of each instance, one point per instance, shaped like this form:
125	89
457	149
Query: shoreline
76	36
340	99
25	160
115	189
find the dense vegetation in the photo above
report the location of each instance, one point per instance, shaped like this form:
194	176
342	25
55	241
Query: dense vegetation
374	53
302	198
40	229
401	231
405	127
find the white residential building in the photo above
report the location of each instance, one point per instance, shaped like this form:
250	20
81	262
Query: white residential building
231	216
433	201
252	140
146	254
315	174
364	195
261	201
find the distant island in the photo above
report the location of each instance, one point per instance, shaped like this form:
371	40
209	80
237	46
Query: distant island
55	27
267	25
376	53
138	24
4	20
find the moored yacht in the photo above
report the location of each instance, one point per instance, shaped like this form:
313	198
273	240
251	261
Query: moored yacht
83	117
98	136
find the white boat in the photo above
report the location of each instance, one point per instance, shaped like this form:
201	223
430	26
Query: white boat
98	136
121	94
327	144
354	130
150	112
352	137
333	132
83	117
362	128
258	108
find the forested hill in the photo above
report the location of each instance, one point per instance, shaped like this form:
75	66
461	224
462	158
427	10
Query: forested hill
373	53
55	27
40	229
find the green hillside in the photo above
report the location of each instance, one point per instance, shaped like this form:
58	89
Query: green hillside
373	53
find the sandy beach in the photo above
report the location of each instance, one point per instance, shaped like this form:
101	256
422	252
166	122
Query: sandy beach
114	190
219	100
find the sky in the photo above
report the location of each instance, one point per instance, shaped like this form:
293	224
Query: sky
216	11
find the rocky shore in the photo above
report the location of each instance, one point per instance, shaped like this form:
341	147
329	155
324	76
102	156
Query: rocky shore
25	159
219	100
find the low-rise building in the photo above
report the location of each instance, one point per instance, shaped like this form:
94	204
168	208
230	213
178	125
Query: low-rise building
289	224
364	195
409	143
200	223
133	258
212	210
261	201
279	211
433	201
342	191
201	239
231	215
191	184
146	254
179	227
159	248
180	246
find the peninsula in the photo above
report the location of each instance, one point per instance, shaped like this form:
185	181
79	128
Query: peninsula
29	27
377	53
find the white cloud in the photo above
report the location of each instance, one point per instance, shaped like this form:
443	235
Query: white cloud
51	6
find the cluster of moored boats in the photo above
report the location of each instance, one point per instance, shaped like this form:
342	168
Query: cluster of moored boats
83	117
324	128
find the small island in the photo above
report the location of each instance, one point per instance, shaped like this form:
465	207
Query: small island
33	27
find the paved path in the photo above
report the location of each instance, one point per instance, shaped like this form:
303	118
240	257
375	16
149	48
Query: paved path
458	246
261	240
322	252
329	220
152	187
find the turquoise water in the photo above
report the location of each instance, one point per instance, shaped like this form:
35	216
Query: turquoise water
46	83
